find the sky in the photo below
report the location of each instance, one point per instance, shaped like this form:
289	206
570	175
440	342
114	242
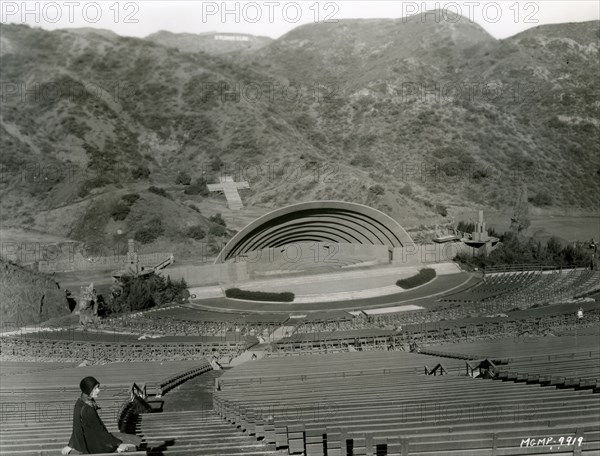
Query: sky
274	18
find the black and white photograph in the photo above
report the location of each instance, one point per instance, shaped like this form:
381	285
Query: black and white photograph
311	228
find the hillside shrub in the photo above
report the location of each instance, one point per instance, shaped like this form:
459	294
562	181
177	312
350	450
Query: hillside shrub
195	232
542	198
236	293
120	211
217	230
479	174
377	189
406	190
130	198
183	178
425	275
362	160
149	233
216	163
218	219
158	191
140	173
197	188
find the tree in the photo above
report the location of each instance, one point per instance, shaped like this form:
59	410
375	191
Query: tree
134	293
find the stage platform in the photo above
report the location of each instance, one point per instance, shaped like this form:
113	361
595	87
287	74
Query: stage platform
331	287
425	296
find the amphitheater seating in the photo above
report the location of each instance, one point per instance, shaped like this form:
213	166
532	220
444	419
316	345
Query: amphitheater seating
578	370
527	346
137	404
37	408
39	349
183	321
200	432
423	321
342	399
564	362
359	339
329	337
318	406
494	285
28	376
504	291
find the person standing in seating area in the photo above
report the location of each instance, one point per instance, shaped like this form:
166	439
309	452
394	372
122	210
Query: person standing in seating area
580	315
90	436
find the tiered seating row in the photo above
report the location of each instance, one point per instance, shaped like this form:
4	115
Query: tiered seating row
52	350
399	412
433	333
19	377
161	388
494	285
194	432
549	289
195	321
580	370
502	292
199	432
528	347
37	413
330	365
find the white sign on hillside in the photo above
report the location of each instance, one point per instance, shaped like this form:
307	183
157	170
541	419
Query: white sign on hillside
231	38
230	189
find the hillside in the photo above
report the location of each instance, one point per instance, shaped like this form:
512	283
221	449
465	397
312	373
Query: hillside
356	54
92	117
28	298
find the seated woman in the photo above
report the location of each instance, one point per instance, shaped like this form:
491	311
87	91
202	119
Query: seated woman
90	436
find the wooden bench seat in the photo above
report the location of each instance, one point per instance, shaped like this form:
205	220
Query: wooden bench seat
320	407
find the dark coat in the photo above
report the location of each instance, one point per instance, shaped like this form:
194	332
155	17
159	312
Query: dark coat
89	435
